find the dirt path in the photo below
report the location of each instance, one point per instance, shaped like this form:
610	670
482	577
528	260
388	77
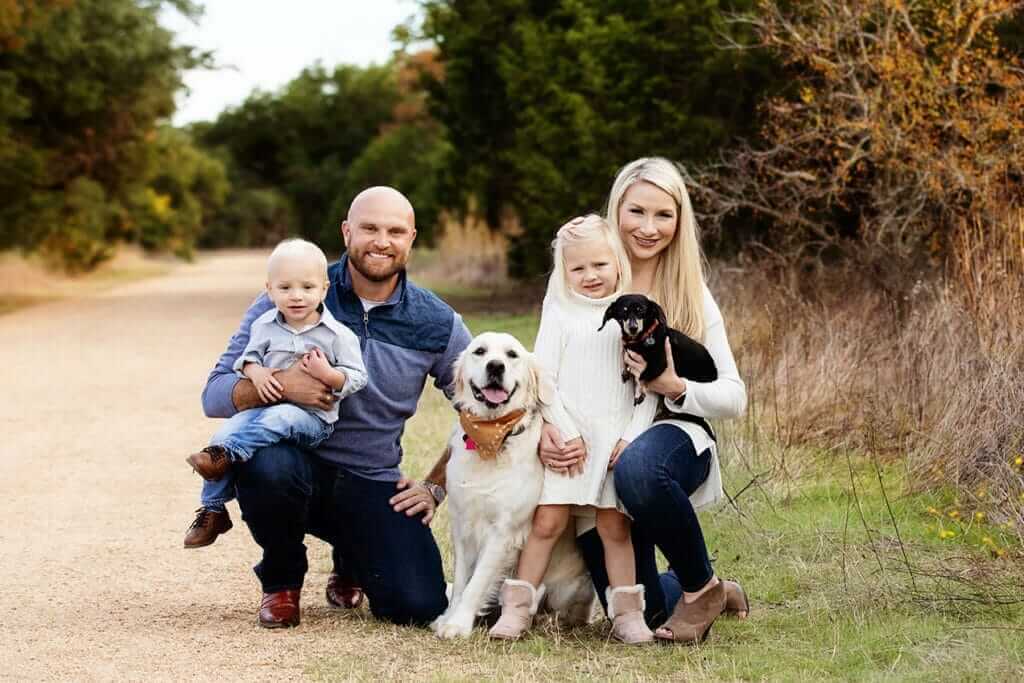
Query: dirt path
100	406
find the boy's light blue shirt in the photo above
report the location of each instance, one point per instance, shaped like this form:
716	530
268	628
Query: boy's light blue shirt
273	344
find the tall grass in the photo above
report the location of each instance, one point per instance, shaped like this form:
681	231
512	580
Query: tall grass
469	252
929	368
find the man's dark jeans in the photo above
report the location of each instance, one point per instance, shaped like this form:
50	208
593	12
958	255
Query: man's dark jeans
286	492
654	478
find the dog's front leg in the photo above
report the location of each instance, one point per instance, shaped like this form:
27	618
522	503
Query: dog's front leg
494	559
463	555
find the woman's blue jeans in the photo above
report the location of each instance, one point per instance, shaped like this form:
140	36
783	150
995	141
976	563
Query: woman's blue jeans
654	478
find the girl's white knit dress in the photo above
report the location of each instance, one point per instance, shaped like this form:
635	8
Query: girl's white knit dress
593	401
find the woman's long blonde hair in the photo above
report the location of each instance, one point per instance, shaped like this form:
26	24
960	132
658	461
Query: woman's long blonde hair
679	277
590	227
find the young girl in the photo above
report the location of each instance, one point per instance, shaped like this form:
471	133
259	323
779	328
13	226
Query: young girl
595	414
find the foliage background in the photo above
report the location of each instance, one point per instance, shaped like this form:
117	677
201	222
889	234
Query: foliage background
859	161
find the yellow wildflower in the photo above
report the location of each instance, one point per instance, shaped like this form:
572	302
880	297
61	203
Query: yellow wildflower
954	513
980	516
946	533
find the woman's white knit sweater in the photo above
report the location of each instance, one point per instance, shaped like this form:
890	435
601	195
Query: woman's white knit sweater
723	398
593	401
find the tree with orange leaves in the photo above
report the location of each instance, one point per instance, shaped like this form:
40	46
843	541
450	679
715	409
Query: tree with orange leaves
904	118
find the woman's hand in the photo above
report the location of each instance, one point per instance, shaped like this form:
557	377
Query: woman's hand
616	452
668	383
575	448
553	454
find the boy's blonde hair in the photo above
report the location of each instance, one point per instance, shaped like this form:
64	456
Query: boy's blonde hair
591	227
297	248
679	278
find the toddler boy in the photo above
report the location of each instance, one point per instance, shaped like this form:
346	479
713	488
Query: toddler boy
299	329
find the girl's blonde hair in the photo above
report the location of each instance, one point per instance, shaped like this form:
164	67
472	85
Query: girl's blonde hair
591	227
679	277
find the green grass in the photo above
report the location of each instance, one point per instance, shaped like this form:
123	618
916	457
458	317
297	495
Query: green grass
824	562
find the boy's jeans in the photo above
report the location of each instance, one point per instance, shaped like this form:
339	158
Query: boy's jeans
250	430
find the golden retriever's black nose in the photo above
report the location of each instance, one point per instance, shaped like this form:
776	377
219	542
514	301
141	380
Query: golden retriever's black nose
495	368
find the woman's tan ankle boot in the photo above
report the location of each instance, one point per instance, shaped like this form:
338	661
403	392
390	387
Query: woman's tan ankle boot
626	610
736	602
519	602
691	622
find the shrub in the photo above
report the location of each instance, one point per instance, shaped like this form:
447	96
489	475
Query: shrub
902	120
926	368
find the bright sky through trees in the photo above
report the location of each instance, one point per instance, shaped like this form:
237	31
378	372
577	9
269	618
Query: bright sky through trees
269	43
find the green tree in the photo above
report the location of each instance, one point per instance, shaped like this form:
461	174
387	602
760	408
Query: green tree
183	193
83	85
543	101
301	141
298	157
906	121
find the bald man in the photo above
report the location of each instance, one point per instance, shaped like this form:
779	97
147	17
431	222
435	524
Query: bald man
350	491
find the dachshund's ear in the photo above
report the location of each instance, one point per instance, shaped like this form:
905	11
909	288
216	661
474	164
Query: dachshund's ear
612	312
661	314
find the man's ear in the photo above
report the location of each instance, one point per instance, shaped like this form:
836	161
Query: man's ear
612	312
345	231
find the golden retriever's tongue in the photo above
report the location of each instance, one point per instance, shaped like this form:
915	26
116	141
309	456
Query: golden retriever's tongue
494	395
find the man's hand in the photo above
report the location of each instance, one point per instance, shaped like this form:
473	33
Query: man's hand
262	378
553	452
301	388
412	499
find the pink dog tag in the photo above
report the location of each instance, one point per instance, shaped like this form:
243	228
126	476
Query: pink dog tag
470	444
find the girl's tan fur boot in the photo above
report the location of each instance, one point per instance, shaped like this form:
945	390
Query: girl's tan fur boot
519	602
626	610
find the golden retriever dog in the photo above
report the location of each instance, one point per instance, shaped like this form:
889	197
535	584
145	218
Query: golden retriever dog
494	487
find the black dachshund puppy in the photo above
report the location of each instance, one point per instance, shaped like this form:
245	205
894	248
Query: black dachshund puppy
644	328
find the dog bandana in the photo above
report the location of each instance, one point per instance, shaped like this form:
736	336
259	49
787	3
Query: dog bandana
488	436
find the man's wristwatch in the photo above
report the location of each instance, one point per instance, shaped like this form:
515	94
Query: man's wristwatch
436	491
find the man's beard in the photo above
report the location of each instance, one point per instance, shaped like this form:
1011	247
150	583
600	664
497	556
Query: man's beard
357	259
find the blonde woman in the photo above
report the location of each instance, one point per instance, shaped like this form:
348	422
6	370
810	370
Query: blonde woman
670	470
